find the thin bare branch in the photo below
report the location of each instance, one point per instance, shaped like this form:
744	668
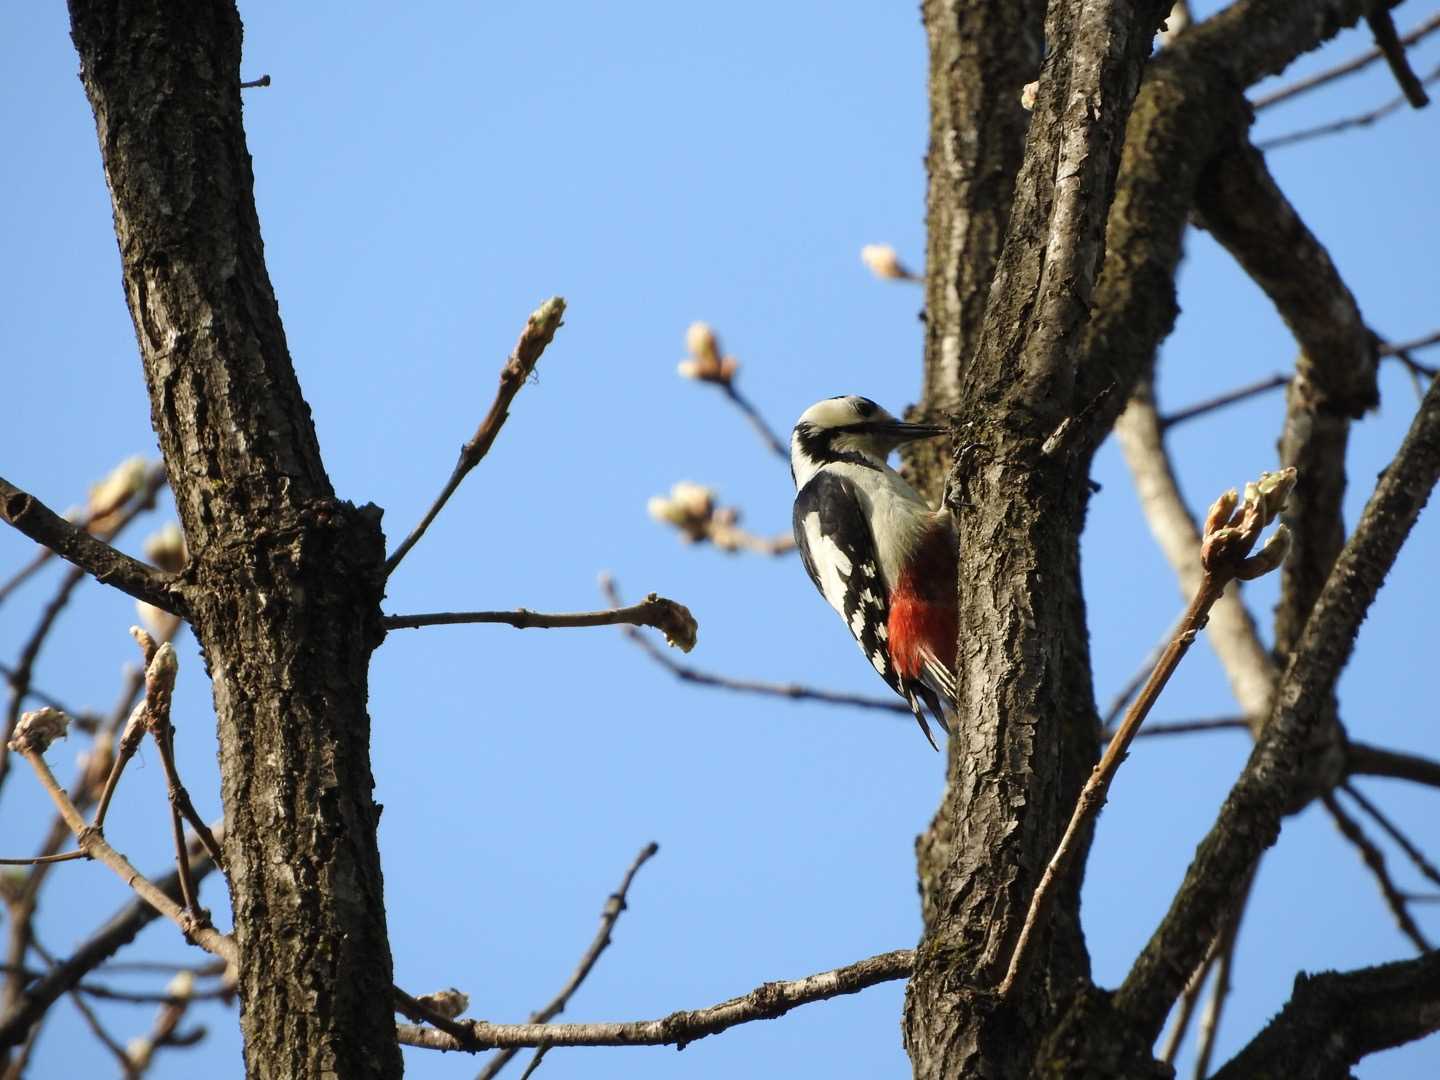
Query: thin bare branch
106	564
670	618
1185	1011
1190	727
98	1030
1349	67
1387	40
1232	528
94	844
1249	820
1231	630
1220	401
1393	831
1398	348
539	331
1362	759
117	932
1092	796
609	915
1335	127
1374	858
42	860
692	510
793	691
765	1002
1220	990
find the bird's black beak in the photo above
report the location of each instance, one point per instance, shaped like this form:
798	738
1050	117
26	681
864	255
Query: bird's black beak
898	431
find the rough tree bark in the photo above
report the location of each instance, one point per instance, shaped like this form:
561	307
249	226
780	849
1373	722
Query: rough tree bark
285	581
1080	295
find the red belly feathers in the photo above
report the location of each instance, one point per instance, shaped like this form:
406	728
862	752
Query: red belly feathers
922	607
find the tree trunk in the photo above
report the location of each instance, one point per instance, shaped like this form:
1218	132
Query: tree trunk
285	581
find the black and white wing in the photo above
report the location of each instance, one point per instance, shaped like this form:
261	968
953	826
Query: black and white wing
838	550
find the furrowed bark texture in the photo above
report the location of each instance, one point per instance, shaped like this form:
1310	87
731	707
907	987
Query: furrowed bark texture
1083	292
285	581
1028	731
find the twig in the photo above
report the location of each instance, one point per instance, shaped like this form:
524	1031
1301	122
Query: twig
9	674
1127	692
765	1002
118	931
1249	820
1190	727
1092	796
1349	67
1387	40
98	1030
672	619
1220	401
706	365
692	510
41	860
1345	124
1186	1010
160	671
757	422
609	915
1375	859
793	691
106	564
94	844
1393	831
539	330
1362	759
263	80
1220	990
1399	348
1230	535
1231	631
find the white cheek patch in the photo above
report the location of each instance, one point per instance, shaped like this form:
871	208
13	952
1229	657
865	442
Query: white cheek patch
832	564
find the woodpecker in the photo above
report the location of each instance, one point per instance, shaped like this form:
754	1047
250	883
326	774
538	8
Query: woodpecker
881	557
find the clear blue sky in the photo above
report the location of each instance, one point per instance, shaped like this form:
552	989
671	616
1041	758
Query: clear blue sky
424	180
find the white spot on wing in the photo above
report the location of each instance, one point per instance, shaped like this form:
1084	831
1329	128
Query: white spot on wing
832	564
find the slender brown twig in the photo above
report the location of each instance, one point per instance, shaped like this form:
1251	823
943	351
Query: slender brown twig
609	915
92	553
1349	67
1362	759
1374	858
1220	401
539	331
672	619
765	1002
1220	989
1229	536
793	691
1346	123
117	931
1190	727
1185	1010
1415	855
93	842
757	422
1397	348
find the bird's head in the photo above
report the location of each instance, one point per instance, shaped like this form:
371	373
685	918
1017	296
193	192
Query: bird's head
849	428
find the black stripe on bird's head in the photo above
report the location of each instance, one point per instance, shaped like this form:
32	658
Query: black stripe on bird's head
849	428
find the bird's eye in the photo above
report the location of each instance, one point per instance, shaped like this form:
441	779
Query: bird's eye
864	407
